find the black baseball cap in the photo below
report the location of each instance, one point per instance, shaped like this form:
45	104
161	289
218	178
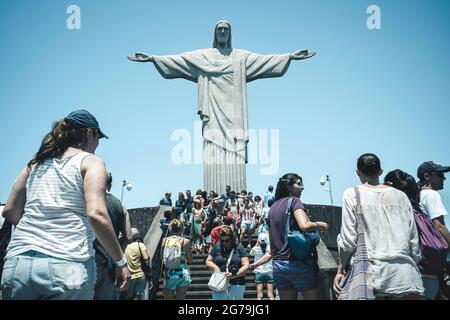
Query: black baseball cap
429	167
85	120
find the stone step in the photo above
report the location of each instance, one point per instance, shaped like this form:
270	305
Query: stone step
207	295
204	280
196	261
204	286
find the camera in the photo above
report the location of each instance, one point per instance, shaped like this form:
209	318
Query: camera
234	269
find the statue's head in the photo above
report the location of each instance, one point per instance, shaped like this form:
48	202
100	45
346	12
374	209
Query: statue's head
222	35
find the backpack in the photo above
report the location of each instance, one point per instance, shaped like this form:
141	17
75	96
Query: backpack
433	246
173	249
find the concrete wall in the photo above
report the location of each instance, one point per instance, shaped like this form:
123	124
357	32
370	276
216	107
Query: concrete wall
141	218
330	215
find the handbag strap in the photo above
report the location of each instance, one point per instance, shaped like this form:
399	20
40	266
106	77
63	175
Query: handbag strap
361	250
288	213
229	259
139	247
360	226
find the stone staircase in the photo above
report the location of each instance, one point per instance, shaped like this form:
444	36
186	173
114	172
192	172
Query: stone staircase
198	289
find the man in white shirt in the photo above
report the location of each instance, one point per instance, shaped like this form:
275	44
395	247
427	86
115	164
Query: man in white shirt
432	178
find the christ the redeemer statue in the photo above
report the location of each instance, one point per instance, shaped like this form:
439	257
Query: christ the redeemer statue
222	74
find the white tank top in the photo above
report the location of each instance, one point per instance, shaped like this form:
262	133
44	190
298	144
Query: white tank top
55	221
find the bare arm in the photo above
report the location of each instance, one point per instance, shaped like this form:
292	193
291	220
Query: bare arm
145	254
344	259
211	265
128	234
163	244
94	194
187	250
15	205
306	225
245	266
265	258
94	175
442	228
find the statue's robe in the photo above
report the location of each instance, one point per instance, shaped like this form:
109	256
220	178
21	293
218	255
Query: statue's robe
222	105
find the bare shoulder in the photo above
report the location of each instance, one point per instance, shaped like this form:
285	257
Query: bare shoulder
92	161
22	178
25	172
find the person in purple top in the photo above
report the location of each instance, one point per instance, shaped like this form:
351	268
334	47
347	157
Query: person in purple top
290	274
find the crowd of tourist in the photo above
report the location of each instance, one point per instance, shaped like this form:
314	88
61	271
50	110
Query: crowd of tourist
65	236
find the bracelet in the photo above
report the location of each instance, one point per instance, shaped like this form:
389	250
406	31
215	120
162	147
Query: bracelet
122	262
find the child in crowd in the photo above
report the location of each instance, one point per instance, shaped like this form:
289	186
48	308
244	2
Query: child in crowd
264	275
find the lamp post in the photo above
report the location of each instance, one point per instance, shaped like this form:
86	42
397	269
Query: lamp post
128	185
326	181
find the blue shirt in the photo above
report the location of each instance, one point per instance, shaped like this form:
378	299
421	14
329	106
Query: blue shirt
165	202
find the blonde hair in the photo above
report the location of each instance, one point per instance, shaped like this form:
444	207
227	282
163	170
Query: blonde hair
176	226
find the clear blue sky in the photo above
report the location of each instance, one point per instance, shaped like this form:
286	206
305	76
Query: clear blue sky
383	91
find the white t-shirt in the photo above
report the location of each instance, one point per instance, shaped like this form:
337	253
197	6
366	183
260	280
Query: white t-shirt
258	253
431	203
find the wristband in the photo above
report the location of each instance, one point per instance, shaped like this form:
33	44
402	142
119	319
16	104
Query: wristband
121	262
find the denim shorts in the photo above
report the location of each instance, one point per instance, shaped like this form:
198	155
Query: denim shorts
180	277
264	277
297	275
36	276
136	287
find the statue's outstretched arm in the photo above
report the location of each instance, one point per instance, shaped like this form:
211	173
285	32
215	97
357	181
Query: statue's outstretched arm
302	54
141	57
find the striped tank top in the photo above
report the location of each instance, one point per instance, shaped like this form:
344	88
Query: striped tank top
55	221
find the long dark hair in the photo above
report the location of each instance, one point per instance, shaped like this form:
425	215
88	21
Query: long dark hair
62	136
289	179
404	182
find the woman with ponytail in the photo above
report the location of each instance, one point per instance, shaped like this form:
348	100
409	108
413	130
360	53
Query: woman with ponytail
290	274
58	207
433	247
